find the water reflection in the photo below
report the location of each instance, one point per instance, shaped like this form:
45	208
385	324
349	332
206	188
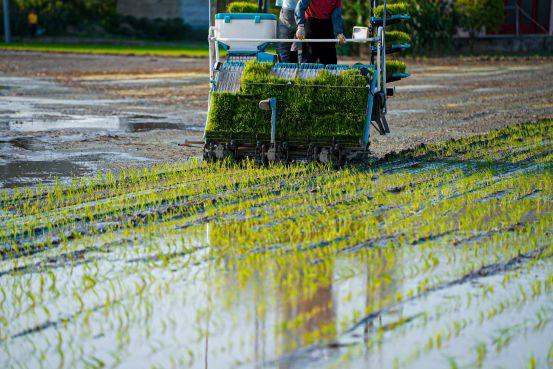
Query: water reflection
194	298
281	307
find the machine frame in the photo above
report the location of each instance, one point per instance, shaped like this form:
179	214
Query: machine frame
331	150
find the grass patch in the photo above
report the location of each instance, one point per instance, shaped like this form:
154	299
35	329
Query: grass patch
196	49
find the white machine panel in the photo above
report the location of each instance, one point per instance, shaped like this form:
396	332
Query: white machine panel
245	25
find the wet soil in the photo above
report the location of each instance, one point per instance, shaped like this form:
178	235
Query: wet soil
78	114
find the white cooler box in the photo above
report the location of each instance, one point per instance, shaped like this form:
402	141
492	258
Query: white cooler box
245	25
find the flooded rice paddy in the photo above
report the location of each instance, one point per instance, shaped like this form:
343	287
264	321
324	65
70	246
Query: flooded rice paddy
85	114
436	257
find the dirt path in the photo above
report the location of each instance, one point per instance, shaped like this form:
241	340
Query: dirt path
65	114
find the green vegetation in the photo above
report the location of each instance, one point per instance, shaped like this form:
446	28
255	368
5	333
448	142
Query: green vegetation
445	247
57	16
329	104
98	19
431	27
185	49
242	7
395	66
395	34
478	15
391	9
397	37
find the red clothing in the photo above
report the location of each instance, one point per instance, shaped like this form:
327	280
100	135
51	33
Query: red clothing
322	9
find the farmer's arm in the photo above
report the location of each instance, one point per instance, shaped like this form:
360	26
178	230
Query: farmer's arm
337	20
301	7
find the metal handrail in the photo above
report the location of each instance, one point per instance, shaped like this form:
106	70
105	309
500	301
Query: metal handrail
287	40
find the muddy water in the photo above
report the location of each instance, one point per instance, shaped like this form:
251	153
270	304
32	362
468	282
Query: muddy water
50	131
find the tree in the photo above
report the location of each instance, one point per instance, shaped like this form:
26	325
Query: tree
480	15
432	26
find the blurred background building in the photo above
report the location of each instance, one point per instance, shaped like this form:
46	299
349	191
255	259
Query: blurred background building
192	12
528	17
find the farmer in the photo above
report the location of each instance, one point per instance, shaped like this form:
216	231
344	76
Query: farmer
287	53
318	19
32	20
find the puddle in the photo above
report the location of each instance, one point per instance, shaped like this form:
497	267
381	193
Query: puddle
37	125
28	173
103	123
211	284
150	81
47	166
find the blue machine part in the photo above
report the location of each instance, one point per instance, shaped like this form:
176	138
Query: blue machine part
309	70
223	45
394	19
337	68
361	66
397	76
251	55
368	118
266	57
228	78
264	46
285	70
257	17
394	48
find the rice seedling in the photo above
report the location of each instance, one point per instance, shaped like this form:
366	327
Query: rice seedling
409	259
397	37
304	108
392	9
395	66
242	7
